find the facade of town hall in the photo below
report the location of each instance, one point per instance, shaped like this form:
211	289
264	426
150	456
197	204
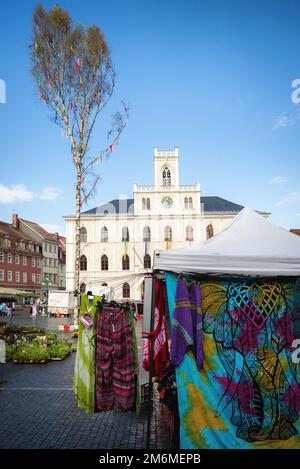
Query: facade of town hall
119	238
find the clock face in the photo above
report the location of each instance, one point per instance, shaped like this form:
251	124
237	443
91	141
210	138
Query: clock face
167	202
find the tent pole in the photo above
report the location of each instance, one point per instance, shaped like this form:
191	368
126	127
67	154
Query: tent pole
151	338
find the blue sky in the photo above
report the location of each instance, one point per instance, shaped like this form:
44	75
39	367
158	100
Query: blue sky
213	77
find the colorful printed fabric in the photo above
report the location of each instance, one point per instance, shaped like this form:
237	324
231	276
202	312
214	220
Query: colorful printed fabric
160	346
186	329
84	373
247	394
115	380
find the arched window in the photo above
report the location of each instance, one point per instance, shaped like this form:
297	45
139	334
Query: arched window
186	202
147	261
190	202
189	233
104	285
168	233
166	177
209	231
83	288
83	235
83	263
125	233
104	234
104	262
146	233
126	290
144	205
148	204
125	263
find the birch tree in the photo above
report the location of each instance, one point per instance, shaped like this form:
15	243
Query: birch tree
75	79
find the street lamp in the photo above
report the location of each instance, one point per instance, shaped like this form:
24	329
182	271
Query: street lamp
46	283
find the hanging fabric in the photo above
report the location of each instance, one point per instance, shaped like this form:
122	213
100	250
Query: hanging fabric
187	327
160	346
246	396
84	373
115	378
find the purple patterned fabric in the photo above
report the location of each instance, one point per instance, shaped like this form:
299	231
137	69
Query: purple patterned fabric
187	322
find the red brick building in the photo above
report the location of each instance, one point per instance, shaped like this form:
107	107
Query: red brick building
20	259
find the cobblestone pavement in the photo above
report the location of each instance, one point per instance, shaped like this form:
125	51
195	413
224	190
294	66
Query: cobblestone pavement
38	410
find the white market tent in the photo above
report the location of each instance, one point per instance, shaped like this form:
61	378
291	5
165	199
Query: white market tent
250	245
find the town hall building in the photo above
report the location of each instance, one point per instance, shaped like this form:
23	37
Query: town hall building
119	238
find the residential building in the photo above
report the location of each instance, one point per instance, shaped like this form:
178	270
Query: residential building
20	259
50	249
119	238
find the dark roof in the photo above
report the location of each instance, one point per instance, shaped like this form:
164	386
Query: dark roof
217	204
114	206
211	204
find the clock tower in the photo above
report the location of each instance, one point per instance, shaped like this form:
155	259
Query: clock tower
166	197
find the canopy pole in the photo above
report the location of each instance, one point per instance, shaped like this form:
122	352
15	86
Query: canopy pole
151	354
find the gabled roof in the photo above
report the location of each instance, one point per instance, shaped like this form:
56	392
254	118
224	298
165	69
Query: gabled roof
8	230
39	230
211	204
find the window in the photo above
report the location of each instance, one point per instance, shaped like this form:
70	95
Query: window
146	234
24	260
166	177
189	233
147	261
209	231
188	202
144	204
46	247
38	263
83	263
33	278
125	233
104	262
37	248
33	263
50	262
8	243
38	278
104	234
126	290
104	285
125	263
1	275
1	256
148	204
18	277
168	233
60	283
83	288
9	276
83	235
9	258
50	247
24	275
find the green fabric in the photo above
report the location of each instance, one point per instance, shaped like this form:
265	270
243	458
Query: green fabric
84	373
131	324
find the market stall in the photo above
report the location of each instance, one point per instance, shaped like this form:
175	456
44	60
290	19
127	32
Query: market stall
230	304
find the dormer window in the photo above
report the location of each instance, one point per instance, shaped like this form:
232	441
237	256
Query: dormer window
166	177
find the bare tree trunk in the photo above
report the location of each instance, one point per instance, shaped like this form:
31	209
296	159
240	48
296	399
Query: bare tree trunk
77	244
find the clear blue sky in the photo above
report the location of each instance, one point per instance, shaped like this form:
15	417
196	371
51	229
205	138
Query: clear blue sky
213	77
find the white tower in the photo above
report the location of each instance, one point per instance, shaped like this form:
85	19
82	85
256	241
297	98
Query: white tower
166	168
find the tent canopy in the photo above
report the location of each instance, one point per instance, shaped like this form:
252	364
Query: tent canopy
250	245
